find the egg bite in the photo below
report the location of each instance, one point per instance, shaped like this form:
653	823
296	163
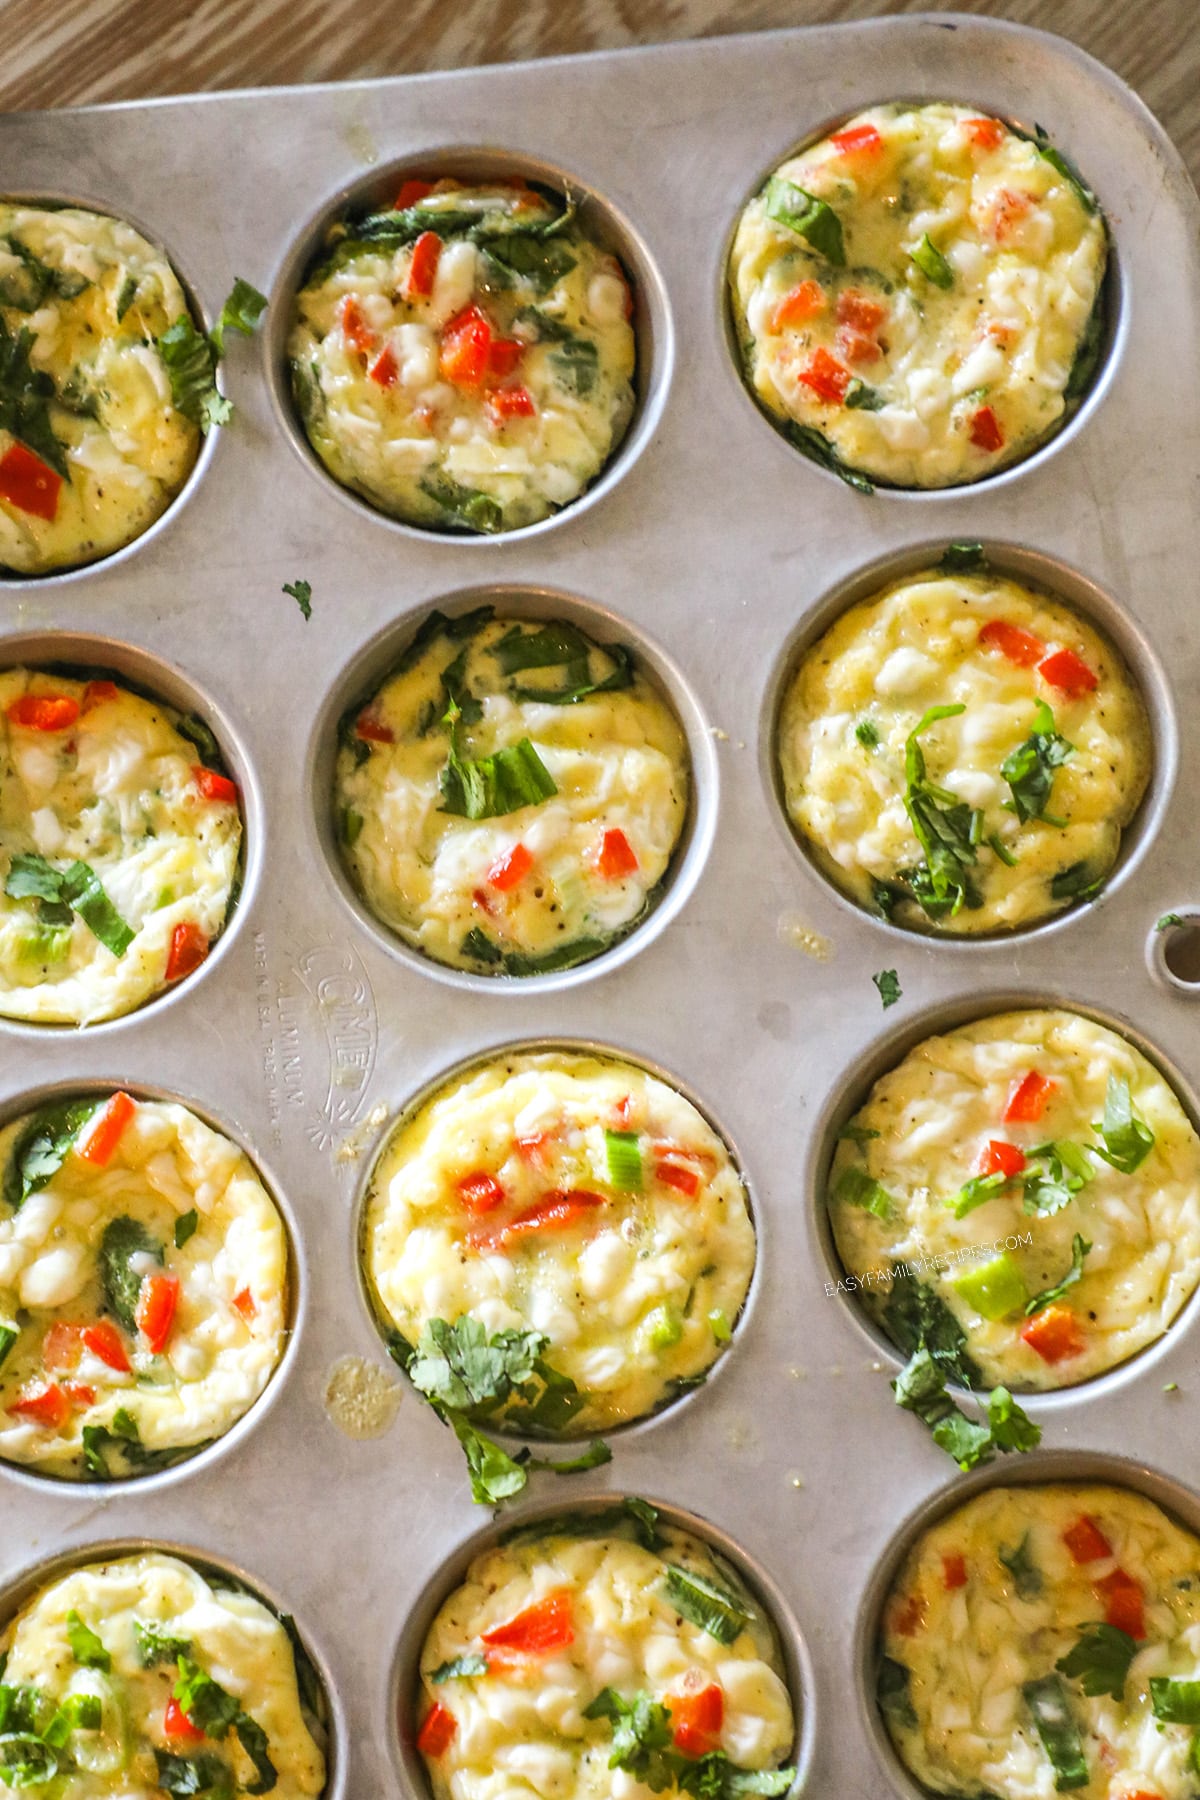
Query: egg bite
1028	1185
962	753
141	1676
143	1287
120	847
609	1642
92	446
575	1198
1042	1639
917	297
464	358
510	799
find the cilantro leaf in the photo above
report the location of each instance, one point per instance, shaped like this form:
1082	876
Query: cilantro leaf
921	1388
495	1475
1029	769
1128	1140
1079	1249
887	981
301	592
41	1147
207	1704
1100	1660
183	1776
642	1744
1010	1425
915	1318
461	1367
242	310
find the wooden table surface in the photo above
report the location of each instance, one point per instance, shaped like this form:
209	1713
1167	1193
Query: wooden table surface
70	52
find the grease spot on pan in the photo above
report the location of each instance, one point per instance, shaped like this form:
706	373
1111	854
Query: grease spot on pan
792	930
361	1399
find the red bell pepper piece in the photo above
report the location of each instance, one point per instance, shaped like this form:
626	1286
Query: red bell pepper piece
549	1624
384	370
1064	670
106	1128
105	1341
62	1347
1124	1603
44	712
985	430
986	134
426	253
373	731
509	870
696	1719
801	303
615	858
155	1313
480	1192
954	1570
177	1725
510	403
555	1211
999	1158
857	309
674	1175
466	346
28	483
503	356
827	377
412	192
437	1730
1020	647
212	785
189	947
855	346
1085	1540
78	1394
909	1616
47	1406
858	140
1055	1334
96	693
355	329
245	1303
1027	1102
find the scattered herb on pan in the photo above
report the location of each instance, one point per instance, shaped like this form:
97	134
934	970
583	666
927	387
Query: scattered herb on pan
888	983
921	1323
190	357
301	592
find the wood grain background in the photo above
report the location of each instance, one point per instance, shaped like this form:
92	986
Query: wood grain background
72	52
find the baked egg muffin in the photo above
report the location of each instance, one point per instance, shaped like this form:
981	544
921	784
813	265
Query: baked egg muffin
464	358
92	445
1044	1180
917	297
143	1287
130	1679
509	800
120	847
609	1642
1046	1639
962	753
579	1210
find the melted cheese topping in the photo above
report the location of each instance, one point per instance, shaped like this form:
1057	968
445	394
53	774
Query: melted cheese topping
931	640
938	1112
94	297
971	1629
230	1635
519	1728
456	421
549	884
230	1320
910	379
121	788
637	1291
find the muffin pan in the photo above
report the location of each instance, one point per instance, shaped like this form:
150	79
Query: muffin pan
709	536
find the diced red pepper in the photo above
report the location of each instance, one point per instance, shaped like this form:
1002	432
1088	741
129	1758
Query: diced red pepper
503	356
427	250
985	430
157	1301
105	1131
466	344
62	1347
44	712
510	403
177	1725
189	947
28	483
674	1175
372	730
553	1212
859	310
509	870
986	134
1085	1540
1008	207
547	1625
858	140
615	858
96	693
212	785
1020	647
1068	672
909	1616
1054	1334
355	329
801	303
533	1148
47	1406
480	1192
827	377
437	1731
78	1394
1029	1098
696	1719
1124	1603
245	1304
384	370
954	1570
412	192
482	900
855	346
105	1341
999	1158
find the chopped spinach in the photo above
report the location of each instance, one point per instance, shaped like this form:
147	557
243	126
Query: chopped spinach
41	1147
123	1239
490	786
1027	1577
1029	769
1128	1140
1047	1703
812	219
932	264
702	1602
463	506
892	1690
25	397
962	559
1079	1249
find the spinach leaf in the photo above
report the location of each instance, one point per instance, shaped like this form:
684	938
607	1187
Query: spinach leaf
636	1514
123	1444
812	219
1047	1703
861	397
8	1337
946	828
459	1667
490	786
1087	356
156	1645
1100	1660
1128	1140
25	396
594	1457
194	729
1027	1577
41	1147
889	987
123	1239
478	944
892	1690
1029	769
915	1318
86	1647
464	506
1065	167
191	364
932	263
701	1601
817	448
186	1225
539	261
1079	1249
59	892
183	1776
962	559
1075	882
642	1744
308	1682
216	1712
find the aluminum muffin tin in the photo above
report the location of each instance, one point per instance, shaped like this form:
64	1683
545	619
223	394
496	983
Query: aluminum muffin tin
717	551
